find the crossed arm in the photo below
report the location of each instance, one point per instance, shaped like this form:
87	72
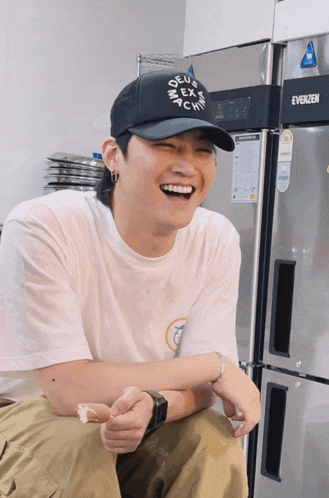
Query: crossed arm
187	383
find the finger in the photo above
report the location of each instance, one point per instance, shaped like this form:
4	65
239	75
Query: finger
126	401
119	449
99	412
238	417
120	435
132	440
125	441
121	427
229	408
245	428
93	412
240	431
124	423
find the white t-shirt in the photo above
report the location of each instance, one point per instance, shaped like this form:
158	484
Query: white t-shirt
71	289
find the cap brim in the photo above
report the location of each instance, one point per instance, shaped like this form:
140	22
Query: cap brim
175	126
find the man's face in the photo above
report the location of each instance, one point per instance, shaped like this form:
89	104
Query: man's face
162	182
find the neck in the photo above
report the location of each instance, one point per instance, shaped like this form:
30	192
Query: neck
145	244
141	239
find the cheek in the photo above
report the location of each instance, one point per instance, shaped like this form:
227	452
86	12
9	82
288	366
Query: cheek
209	177
133	178
140	188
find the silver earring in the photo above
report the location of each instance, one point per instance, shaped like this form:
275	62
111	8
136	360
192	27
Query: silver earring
114	177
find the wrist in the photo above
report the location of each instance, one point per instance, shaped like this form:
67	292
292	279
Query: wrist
159	410
150	402
222	366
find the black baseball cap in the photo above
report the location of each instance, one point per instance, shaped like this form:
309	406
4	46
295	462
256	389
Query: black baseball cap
162	104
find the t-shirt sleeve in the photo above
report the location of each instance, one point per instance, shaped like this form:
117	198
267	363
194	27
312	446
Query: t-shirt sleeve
211	324
40	316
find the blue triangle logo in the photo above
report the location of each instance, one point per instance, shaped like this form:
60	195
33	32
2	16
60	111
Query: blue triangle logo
309	59
191	70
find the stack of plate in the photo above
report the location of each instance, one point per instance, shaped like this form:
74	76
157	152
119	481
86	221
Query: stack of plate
70	171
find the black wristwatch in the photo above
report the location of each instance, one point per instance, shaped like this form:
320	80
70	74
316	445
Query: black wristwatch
159	411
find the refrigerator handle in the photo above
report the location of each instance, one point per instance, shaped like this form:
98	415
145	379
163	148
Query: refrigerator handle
274	416
282	303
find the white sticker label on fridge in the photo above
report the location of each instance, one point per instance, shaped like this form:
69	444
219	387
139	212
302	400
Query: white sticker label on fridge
285	146
284	160
246	168
283	176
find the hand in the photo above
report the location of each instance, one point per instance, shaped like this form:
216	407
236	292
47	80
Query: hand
129	418
241	398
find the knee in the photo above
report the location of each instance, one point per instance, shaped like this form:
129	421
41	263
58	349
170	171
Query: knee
209	422
212	431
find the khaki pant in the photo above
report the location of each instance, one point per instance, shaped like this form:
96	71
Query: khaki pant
43	455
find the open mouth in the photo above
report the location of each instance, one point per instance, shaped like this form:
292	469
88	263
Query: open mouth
178	191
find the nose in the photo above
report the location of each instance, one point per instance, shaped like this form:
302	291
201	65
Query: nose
184	166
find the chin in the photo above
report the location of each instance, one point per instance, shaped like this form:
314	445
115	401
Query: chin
179	222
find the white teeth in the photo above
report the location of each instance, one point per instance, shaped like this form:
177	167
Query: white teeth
177	188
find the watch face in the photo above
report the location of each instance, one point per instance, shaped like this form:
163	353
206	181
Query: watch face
160	412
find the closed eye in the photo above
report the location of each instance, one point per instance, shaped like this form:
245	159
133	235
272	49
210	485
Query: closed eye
165	144
204	149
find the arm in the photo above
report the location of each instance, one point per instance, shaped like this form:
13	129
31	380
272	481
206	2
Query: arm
125	423
67	384
188	401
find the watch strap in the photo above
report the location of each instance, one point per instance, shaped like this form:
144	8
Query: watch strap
159	411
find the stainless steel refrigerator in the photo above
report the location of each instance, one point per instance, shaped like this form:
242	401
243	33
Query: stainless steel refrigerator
275	189
244	85
292	459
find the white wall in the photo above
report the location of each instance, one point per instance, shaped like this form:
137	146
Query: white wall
300	18
62	63
215	24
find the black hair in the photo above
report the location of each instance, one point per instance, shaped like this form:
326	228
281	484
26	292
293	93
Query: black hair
106	186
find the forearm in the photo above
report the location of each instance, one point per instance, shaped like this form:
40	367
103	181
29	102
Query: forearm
183	403
68	384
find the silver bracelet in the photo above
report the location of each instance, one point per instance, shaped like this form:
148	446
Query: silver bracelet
224	363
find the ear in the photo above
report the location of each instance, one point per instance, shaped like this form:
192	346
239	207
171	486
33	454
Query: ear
110	153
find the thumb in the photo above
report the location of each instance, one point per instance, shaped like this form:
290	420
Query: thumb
126	401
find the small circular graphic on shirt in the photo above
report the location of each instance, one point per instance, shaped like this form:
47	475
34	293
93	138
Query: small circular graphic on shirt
174	332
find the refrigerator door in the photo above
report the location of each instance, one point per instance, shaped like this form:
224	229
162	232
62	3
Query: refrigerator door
237	67
237	193
293	444
307	57
297	324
